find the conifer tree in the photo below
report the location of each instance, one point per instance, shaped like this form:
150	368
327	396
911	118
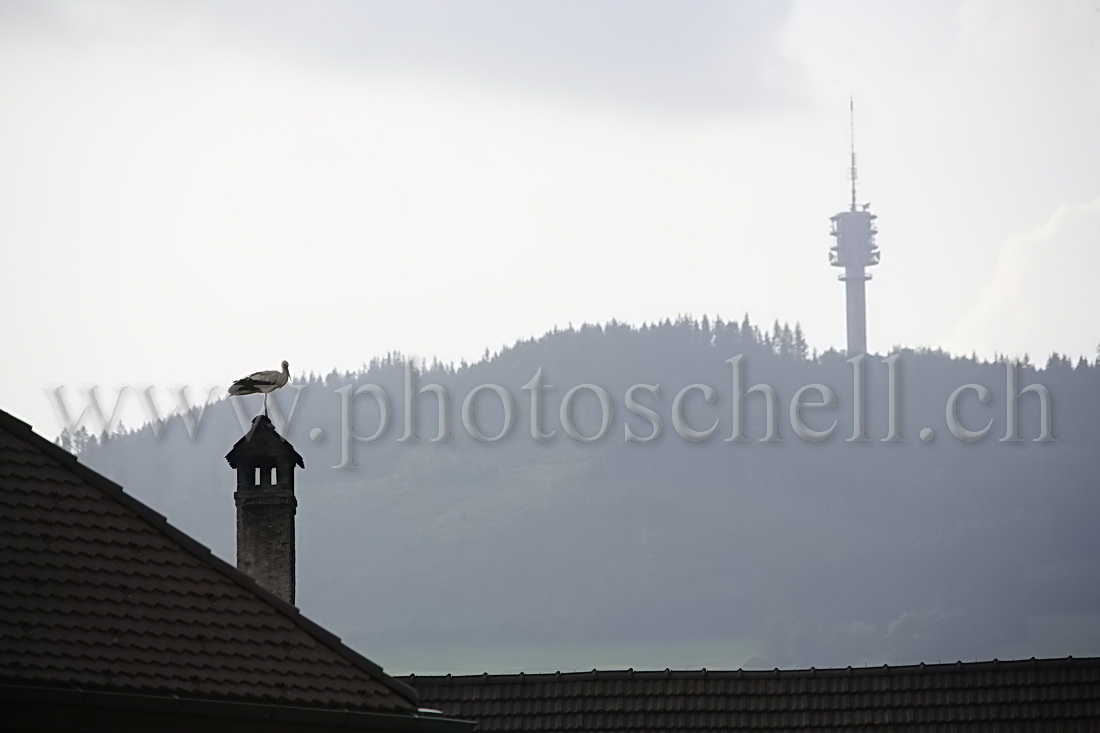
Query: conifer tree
799	345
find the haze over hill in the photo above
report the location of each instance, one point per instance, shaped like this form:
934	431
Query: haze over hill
464	556
441	177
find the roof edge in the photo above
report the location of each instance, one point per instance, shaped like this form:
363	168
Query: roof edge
621	674
201	707
204	554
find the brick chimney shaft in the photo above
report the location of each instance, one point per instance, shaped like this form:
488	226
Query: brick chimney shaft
266	506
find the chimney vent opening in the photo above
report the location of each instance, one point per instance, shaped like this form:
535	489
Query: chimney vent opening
257	481
274	476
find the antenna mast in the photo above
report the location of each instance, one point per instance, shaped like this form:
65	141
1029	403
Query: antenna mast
855	250
852	132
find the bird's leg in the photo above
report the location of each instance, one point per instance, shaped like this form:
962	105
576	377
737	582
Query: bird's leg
265	404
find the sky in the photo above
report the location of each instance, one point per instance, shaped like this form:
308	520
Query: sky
193	191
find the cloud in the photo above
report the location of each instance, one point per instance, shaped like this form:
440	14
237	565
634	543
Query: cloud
1043	295
649	55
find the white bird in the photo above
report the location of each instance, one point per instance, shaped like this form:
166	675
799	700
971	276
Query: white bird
261	383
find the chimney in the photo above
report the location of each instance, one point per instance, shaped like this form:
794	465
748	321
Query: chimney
264	462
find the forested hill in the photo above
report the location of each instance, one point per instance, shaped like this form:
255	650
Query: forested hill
461	555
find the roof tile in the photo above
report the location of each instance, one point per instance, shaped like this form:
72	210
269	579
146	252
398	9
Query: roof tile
1052	695
97	591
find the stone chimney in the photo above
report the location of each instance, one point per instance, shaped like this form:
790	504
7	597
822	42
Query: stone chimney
265	462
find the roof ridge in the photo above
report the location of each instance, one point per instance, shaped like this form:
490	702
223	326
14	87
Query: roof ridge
190	545
919	668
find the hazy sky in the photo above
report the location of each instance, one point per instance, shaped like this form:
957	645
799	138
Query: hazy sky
192	191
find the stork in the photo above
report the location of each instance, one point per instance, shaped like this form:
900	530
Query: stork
261	383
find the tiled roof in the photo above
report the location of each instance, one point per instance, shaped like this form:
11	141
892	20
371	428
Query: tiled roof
98	592
1053	695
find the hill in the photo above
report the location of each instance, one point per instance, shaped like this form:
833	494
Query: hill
462	555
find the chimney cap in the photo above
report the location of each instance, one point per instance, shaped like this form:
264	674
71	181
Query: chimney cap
262	440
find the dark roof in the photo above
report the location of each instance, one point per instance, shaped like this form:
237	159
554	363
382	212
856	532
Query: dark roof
262	439
1050	695
98	592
